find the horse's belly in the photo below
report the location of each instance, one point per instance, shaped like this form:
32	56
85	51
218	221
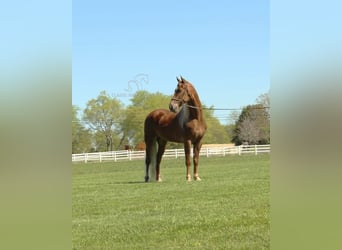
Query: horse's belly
173	136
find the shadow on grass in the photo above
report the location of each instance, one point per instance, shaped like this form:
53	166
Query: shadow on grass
128	182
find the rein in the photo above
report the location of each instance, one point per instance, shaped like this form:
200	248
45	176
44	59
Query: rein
190	106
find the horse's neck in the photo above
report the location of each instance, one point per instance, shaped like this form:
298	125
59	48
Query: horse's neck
195	111
189	113
184	115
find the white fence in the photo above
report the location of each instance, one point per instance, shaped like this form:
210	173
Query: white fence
170	153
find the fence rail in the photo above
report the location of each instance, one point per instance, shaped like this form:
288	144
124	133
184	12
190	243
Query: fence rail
129	155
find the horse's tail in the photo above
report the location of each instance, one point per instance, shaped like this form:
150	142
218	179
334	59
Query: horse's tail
151	161
151	151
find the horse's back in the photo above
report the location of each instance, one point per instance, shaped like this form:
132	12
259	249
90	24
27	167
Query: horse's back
160	122
157	112
154	117
159	116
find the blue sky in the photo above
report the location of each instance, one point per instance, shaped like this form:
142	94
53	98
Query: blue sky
222	47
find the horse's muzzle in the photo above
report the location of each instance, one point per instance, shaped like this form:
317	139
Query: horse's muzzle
173	107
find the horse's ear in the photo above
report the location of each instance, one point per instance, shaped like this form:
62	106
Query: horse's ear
178	79
183	79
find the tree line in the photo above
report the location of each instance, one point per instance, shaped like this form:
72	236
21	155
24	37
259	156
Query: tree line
106	124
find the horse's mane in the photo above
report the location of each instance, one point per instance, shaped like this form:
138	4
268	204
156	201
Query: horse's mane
192	91
195	105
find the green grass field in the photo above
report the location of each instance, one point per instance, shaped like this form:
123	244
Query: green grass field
113	208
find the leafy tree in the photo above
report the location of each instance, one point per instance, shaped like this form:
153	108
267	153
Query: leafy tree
104	115
264	100
233	117
248	131
81	137
99	144
253	126
229	128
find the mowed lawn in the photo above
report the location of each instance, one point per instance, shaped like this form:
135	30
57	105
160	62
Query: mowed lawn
113	208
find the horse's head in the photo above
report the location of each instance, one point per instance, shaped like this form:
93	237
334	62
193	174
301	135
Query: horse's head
180	96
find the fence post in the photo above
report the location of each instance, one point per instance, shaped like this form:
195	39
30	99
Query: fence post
115	156
86	158
100	155
130	155
176	153
207	152
239	150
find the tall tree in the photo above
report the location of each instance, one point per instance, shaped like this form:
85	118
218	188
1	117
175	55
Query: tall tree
104	115
100	145
253	126
81	137
265	101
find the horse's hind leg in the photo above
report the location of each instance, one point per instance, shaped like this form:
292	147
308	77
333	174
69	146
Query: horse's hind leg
147	164
161	150
151	159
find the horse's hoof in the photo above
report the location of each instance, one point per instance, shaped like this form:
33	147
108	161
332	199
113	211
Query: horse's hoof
159	180
146	178
197	178
188	178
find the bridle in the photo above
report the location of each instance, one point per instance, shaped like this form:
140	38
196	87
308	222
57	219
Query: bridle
183	102
178	100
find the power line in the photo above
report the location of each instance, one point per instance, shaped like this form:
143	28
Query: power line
219	117
233	109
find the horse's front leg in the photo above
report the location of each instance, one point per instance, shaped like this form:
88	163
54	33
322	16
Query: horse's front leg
197	149
187	148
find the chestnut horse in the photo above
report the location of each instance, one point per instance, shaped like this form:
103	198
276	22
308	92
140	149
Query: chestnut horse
183	124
